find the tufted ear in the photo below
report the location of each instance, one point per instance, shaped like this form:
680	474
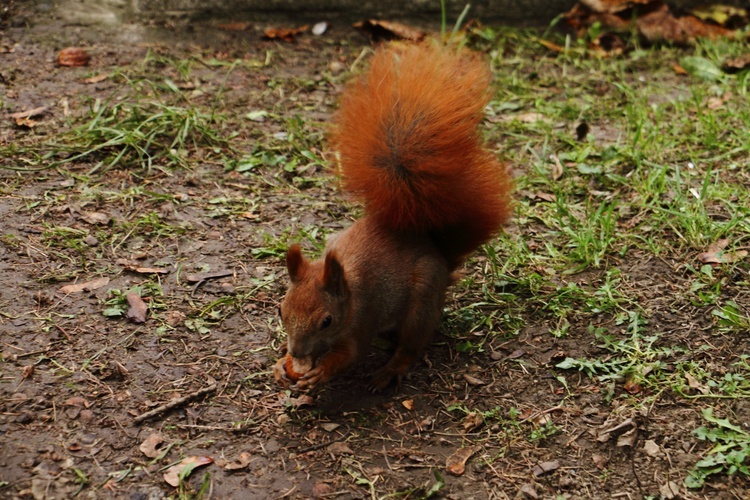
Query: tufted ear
296	263
334	281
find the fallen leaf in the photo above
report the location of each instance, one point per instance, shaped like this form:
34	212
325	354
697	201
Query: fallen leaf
339	448
456	463
652	19
242	462
26	122
600	461
473	380
150	447
177	472
545	467
380	30
529	491
321	490
284	34
670	490
472	421
737	64
679	70
137	309
303	400
693	383
715	254
651	448
85	287
628	438
96	218
73	56
632	387
77	401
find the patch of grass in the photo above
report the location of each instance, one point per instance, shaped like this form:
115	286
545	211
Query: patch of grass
139	134
730	454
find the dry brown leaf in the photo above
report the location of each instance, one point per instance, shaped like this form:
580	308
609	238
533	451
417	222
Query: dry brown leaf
679	70
651	448
628	438
472	421
651	18
473	380
545	467
95	218
77	401
456	463
381	30
73	56
322	490
303	400
715	254
632	387
150	447
137	309
737	63
85	287
339	448
284	34
184	468
600	461
242	462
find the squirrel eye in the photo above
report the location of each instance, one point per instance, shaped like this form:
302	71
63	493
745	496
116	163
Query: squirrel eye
326	322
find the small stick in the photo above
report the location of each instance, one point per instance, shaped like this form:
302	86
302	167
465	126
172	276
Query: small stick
174	403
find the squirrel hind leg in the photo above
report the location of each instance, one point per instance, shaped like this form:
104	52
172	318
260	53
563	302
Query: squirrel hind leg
413	338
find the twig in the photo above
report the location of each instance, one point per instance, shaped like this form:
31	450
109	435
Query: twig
174	403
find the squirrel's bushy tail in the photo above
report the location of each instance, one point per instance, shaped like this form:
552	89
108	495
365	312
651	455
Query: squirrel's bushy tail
410	149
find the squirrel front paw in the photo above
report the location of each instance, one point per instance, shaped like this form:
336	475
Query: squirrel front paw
279	373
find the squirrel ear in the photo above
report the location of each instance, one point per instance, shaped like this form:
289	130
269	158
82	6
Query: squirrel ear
296	263
333	276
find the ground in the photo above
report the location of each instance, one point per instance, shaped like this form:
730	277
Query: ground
596	349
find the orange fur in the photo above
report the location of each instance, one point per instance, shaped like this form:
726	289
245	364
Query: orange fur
410	149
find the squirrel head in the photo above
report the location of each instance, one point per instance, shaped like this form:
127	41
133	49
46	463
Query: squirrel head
314	308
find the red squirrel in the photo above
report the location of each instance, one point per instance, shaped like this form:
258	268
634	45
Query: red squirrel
409	149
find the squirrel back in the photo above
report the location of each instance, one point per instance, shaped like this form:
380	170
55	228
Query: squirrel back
411	151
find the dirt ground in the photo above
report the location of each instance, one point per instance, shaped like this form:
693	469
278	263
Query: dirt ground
200	245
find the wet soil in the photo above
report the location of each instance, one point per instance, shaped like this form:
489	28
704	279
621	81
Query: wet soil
74	382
